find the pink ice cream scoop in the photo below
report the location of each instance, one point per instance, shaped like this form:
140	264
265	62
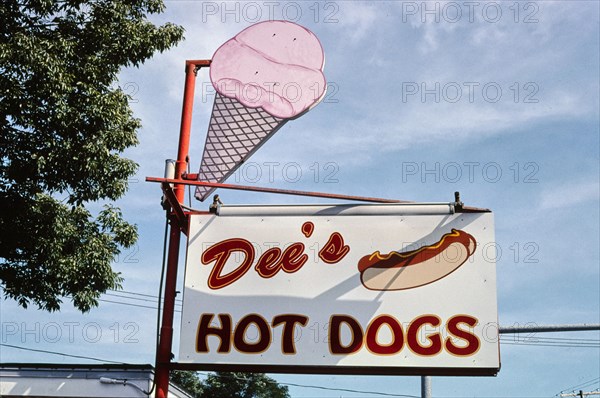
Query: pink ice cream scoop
273	65
268	74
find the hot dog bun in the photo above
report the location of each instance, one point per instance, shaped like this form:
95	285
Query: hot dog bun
414	268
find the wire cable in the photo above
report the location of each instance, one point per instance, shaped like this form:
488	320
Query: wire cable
61	353
131	298
138	294
159	301
552	340
567	340
131	304
558	339
232	376
137	299
350	390
582	385
553	345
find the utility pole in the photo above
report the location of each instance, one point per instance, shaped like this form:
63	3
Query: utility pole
580	394
426	380
425	386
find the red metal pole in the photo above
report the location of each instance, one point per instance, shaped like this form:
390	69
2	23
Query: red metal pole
166	330
186	125
163	358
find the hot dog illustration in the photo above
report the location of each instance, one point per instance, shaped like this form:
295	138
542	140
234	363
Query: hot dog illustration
414	268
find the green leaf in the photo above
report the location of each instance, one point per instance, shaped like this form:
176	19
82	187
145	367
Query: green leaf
64	124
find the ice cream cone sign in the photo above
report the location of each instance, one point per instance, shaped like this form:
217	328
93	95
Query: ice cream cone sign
267	74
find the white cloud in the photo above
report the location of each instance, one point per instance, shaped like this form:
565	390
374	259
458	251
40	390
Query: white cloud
534	65
357	20
571	194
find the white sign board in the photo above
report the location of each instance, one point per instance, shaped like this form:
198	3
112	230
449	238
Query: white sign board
373	289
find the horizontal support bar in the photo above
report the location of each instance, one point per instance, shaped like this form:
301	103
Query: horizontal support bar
383	209
274	190
547	328
198	62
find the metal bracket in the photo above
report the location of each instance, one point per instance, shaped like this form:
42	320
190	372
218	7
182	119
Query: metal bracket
198	64
458	205
177	210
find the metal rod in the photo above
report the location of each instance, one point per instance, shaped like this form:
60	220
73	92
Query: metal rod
547	328
185	128
163	359
425	386
166	330
275	190
176	208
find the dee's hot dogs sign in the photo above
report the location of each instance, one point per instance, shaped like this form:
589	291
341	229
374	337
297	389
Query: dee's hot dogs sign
399	289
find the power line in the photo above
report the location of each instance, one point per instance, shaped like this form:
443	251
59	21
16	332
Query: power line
541	342
138	294
351	391
529	340
588	384
226	375
160	301
136	298
232	376
567	339
130	298
547	328
553	345
61	353
131	305
580	394
583	385
551	340
517	338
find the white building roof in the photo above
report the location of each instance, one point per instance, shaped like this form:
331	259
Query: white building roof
94	381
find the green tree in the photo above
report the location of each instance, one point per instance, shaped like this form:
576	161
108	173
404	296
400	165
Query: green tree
242	385
64	124
189	381
229	385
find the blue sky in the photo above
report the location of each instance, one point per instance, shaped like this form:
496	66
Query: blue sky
498	100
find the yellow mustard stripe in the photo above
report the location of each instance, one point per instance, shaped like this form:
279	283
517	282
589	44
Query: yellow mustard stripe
412	253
